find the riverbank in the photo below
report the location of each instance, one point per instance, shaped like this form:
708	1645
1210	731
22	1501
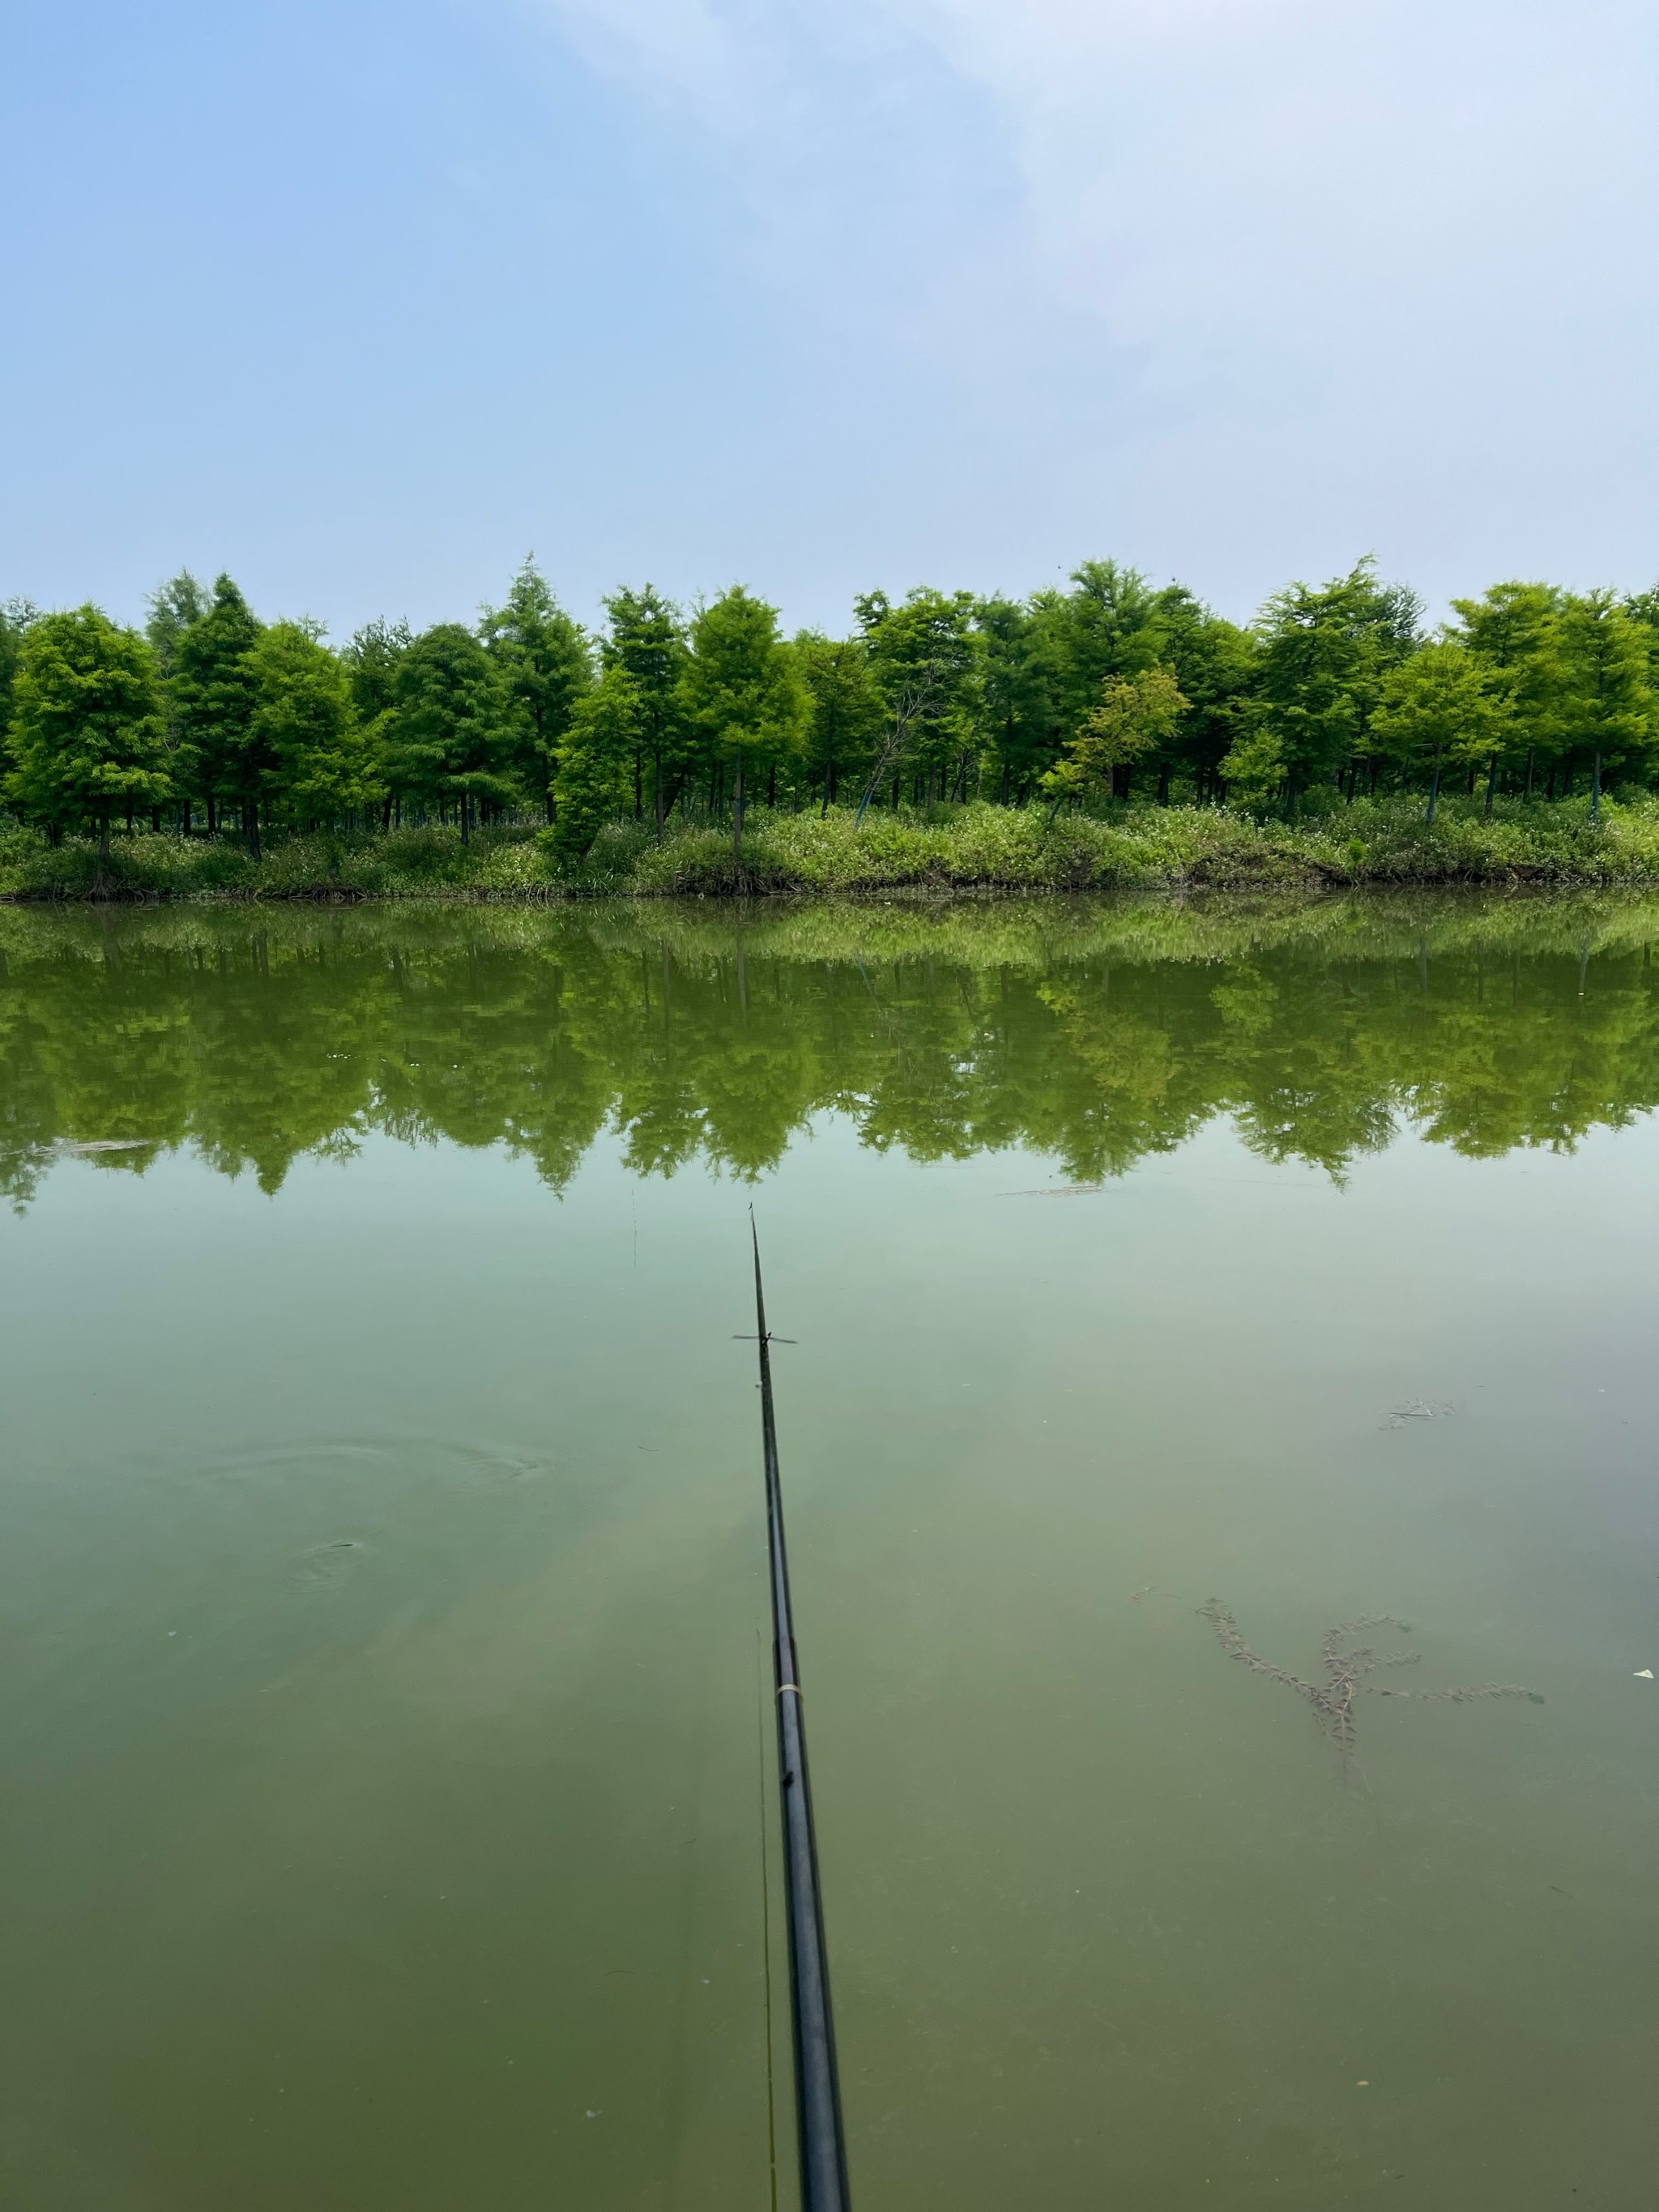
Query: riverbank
975	848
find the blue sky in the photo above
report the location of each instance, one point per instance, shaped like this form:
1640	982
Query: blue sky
362	302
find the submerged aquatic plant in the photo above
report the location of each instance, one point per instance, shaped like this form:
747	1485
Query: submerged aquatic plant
1347	1663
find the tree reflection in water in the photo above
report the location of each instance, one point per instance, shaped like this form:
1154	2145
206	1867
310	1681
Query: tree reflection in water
1092	1032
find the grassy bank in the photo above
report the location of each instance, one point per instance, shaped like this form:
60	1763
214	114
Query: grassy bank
977	849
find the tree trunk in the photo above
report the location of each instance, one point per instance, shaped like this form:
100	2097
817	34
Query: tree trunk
737	815
1164	783
466	817
656	789
250	825
212	815
1492	785
1434	792
1595	788
103	834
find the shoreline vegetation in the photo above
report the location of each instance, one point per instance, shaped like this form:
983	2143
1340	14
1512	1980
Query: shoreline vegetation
1108	735
976	849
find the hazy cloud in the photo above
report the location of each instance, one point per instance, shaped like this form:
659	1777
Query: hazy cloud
824	294
1273	281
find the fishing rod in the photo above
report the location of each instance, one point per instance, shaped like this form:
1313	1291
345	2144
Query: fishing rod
817	2082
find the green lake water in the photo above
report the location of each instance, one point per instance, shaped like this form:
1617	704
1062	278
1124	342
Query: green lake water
386	1757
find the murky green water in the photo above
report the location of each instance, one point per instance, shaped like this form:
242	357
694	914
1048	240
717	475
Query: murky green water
382	1559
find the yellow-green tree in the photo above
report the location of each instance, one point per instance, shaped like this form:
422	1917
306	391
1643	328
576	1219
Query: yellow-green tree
1136	715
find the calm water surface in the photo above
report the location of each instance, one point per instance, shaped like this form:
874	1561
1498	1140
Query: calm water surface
384	1734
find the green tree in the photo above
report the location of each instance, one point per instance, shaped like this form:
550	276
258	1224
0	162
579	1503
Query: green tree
1325	655
450	741
595	761
846	711
174	607
1643	607
372	660
1106	625
1136	716
1514	632
1439	709
306	726
1016	704
1607	702
17	618
543	656
743	692
87	733
214	693
1214	663
647	641
924	654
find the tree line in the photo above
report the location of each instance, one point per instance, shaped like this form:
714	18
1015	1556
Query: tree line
209	719
689	1042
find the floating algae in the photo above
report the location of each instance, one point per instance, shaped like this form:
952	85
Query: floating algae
1347	1665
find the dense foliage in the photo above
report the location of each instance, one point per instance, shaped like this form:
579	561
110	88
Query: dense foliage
1094	1032
1070	702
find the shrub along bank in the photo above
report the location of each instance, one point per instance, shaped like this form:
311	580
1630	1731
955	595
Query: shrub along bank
970	848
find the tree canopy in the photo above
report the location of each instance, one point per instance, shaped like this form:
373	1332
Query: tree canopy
1109	690
87	734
